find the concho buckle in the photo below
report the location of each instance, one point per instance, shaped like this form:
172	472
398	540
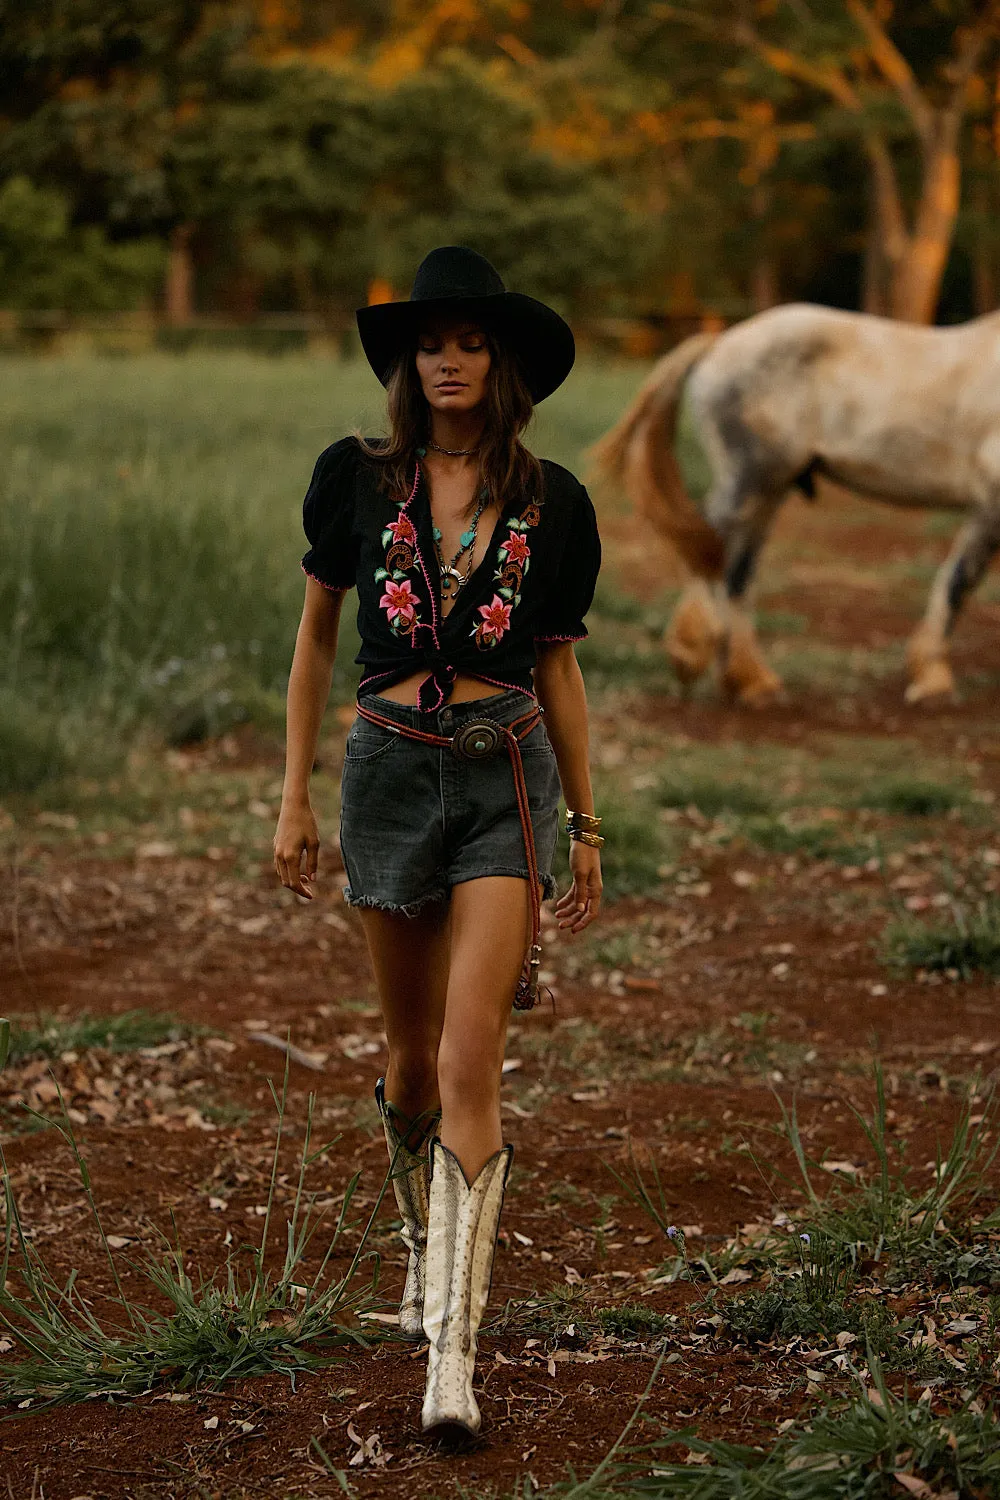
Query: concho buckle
477	741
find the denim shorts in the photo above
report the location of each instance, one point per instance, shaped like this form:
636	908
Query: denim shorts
416	820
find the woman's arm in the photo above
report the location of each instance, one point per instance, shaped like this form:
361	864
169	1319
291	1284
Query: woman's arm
308	691
560	689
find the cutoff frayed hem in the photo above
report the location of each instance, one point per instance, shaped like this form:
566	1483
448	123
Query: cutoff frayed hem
401	908
412	908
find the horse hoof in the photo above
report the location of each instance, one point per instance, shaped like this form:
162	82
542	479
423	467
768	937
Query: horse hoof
760	692
936	680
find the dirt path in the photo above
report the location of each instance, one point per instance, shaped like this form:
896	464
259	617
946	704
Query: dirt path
753	978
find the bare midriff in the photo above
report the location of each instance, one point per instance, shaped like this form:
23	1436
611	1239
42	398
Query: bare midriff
464	689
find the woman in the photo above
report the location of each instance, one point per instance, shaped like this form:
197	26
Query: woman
474	565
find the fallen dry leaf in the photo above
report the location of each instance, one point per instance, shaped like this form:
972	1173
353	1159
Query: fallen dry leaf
314	1060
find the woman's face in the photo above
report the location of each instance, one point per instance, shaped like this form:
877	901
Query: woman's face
453	363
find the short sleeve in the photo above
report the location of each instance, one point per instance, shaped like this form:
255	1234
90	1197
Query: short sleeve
572	590
328	517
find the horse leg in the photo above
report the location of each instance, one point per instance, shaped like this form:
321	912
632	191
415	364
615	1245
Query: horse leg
745	672
695	633
927	653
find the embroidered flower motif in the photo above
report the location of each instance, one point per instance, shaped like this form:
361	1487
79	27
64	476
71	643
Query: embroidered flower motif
403	530
495	622
513	557
516	548
399	603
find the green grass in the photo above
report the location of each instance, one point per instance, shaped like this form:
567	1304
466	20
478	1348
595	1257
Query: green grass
636	843
883	1211
963	941
713	795
51	1036
911	796
150	534
632	1320
243	1320
846	1451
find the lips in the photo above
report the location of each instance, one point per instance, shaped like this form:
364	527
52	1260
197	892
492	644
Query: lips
449	387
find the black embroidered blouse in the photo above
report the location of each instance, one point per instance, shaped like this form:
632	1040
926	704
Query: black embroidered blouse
535	583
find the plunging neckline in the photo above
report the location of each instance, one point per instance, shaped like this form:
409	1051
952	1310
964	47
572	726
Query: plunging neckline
425	521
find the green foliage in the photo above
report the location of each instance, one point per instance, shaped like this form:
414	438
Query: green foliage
845	1452
713	796
51	1036
46	263
636	844
240	1322
882	1212
32	748
783	835
789	1309
632	1320
964	940
911	796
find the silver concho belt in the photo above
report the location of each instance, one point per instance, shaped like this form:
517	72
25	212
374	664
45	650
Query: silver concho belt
477	741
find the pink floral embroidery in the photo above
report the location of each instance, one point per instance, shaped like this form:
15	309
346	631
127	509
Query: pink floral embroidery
399	602
403	530
516	548
495	622
513	560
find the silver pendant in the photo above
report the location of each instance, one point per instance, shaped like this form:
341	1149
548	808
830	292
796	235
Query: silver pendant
451	578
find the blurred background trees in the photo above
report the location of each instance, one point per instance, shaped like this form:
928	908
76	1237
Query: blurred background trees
622	158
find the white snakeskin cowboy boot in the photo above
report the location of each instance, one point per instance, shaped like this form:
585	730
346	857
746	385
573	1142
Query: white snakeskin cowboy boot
410	1175
461	1238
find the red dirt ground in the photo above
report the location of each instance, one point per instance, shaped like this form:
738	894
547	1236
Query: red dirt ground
669	1072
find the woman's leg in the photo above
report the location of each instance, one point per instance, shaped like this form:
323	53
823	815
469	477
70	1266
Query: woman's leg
469	1165
489	938
410	959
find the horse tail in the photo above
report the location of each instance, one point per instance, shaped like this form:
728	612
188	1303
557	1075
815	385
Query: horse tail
638	453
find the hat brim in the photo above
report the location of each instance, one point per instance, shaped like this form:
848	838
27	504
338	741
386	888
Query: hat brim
542	340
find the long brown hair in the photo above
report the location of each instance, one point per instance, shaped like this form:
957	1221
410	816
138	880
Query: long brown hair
505	465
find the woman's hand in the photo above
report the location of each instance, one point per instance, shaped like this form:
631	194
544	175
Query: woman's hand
296	835
582	902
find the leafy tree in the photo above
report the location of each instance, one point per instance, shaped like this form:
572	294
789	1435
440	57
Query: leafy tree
900	80
46	263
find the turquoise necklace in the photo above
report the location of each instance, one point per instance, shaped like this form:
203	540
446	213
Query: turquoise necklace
452	578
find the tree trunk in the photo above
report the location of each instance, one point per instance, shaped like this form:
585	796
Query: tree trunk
916	284
178	291
984	281
873	269
887	237
764	284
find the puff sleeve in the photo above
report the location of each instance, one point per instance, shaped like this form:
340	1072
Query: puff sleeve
328	517
572	590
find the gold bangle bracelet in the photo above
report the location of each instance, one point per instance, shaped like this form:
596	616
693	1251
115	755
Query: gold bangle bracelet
585	821
581	836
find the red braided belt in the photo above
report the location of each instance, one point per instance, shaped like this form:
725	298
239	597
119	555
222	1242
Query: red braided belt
480	740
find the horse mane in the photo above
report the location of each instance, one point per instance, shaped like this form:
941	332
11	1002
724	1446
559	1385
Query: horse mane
637	454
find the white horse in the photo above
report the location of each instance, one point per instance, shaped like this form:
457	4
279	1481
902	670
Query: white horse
900	414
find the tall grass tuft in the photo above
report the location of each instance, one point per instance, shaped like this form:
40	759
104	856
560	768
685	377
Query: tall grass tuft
244	1321
853	1451
964	941
882	1212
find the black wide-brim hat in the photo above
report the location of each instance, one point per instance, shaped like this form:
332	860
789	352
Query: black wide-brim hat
461	283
